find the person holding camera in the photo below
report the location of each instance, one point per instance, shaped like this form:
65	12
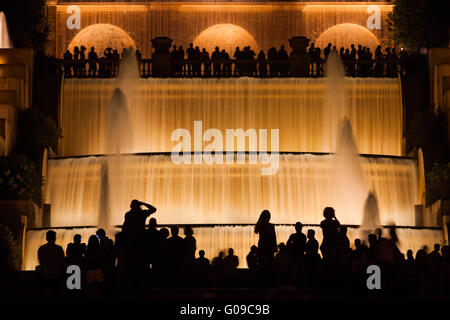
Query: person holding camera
135	218
133	232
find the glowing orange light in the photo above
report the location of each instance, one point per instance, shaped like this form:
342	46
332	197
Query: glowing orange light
343	35
102	36
344	7
105	7
225	36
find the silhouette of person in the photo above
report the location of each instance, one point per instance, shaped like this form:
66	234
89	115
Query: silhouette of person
284	60
296	242
218	262
92	60
94	272
379	65
435	256
334	49
217	269
312	258
262	66
176	251
272	56
231	261
296	245
134	223
312	245
319	63
134	231
138	56
82	71
162	263
238	57
216	62
115	60
282	265
369	63
122	268
181	61
152	237
108	259
190	52
226	63
201	261
206	61
355	253
267	244
51	265
327	51
124	53
190	245
386	257
312	52
379	234
67	63
108	54
76	61
202	269
346	59
330	230
372	238
252	258
175	63
313	59
75	251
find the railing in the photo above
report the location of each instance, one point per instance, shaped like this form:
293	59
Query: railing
104	68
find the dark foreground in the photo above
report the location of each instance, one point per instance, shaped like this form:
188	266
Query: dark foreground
27	285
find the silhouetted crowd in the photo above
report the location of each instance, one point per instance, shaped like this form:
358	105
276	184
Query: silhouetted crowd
358	62
195	62
76	64
141	258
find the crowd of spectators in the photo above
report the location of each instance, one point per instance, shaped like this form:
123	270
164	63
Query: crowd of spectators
150	257
358	60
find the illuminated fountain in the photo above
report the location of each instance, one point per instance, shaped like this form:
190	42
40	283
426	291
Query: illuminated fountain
371	216
119	139
351	189
224	199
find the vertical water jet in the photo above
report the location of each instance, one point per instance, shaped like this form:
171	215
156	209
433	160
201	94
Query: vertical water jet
371	216
119	139
5	41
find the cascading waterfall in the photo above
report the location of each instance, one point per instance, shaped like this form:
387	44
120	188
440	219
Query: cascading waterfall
296	106
224	194
5	41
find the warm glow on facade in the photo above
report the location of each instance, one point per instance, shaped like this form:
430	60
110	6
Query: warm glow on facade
343	35
225	36
102	36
